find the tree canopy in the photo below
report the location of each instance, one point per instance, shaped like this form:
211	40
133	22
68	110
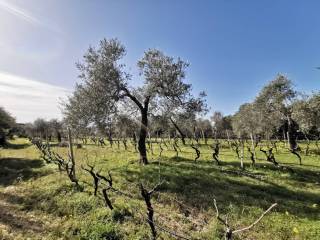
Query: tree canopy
105	92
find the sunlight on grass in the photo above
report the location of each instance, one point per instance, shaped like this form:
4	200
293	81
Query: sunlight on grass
184	203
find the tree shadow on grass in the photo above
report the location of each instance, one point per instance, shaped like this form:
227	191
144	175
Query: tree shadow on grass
196	184
17	221
30	202
298	173
19	169
17	146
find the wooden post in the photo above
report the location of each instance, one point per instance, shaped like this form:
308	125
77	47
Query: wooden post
71	154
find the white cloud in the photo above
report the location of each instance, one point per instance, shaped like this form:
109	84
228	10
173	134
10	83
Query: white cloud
28	99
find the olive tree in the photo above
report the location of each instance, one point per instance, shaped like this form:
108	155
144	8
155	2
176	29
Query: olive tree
246	124
275	105
6	123
55	127
41	128
203	129
105	87
306	113
182	114
222	125
245	121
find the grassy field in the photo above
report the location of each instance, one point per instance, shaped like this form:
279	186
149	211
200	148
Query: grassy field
39	202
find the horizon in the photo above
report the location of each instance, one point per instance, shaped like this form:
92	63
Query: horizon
233	48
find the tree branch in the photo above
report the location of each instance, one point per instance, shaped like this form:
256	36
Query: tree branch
225	222
247	228
133	98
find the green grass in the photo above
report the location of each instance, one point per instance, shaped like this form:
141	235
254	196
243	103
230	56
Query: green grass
184	203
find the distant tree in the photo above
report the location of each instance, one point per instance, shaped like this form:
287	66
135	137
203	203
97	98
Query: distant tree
125	126
217	119
55	127
30	132
182	115
314	105
222	125
19	130
306	113
160	125
41	128
204	127
274	104
6	123
246	124
105	87
303	115
245	121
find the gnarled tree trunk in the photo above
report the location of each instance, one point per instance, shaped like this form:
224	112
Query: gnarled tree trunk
292	139
144	124
182	135
143	135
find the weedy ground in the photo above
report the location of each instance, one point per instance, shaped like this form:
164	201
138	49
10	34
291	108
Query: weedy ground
38	202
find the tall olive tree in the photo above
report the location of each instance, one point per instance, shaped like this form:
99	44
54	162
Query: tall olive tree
105	85
306	113
275	104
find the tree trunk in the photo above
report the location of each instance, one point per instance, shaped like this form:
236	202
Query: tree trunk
144	123
228	139
292	139
71	154
291	136
2	138
308	144
202	134
143	135
253	146
242	154
59	138
284	138
182	135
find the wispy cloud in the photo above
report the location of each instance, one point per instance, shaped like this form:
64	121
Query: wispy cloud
27	99
27	16
35	36
19	12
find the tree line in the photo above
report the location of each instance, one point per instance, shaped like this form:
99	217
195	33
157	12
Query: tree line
105	104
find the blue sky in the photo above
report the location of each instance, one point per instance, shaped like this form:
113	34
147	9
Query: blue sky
234	47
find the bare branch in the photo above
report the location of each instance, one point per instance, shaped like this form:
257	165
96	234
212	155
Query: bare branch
247	228
156	187
225	222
